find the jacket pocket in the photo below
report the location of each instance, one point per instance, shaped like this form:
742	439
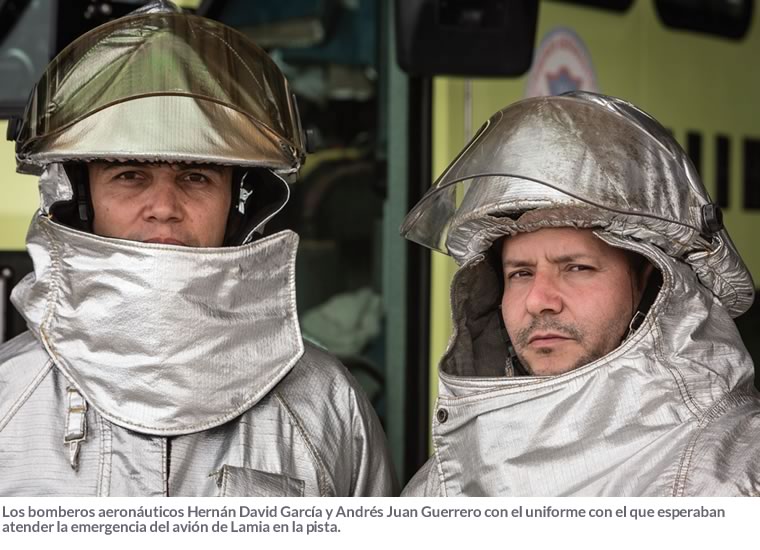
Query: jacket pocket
234	481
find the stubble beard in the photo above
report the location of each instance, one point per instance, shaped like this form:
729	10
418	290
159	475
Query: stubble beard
550	324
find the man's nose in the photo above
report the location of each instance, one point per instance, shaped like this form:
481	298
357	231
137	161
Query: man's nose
544	295
163	202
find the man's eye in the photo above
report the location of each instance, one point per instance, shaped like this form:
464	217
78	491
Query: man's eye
520	274
579	267
128	176
195	177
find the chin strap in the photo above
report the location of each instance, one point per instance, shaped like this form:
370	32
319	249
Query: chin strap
645	304
257	195
84	204
78	212
635	323
243	195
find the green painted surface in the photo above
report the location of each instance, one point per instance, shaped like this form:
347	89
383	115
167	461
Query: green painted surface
18	198
448	139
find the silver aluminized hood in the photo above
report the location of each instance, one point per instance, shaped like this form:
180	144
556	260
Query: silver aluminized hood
614	427
600	159
160	339
670	411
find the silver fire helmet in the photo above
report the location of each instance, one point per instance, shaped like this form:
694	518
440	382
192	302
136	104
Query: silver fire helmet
583	160
162	86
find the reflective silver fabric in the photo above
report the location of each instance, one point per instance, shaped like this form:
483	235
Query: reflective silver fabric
194	372
671	412
162	86
314	434
172	323
583	150
156	370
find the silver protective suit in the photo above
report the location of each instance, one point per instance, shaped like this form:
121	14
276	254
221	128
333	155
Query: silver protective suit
164	370
672	411
160	370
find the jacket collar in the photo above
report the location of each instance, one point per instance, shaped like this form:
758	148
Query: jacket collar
160	339
614	426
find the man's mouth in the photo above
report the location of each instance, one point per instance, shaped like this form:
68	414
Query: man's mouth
165	240
542	339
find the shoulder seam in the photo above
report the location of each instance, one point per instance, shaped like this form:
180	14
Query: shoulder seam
713	413
25	395
319	463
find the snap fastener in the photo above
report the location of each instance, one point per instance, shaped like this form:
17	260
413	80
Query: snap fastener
442	415
712	218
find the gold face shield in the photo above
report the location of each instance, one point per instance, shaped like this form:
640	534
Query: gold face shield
160	87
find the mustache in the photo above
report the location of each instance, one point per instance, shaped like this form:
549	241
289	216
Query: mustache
546	324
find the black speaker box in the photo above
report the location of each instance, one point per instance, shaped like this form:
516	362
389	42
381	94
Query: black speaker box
465	37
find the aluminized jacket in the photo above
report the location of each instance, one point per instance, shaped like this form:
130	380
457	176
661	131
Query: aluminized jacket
167	371
672	411
162	370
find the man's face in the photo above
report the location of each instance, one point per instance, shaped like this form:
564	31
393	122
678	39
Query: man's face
179	204
568	298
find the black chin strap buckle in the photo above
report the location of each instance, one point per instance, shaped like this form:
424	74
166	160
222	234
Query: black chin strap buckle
83	203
